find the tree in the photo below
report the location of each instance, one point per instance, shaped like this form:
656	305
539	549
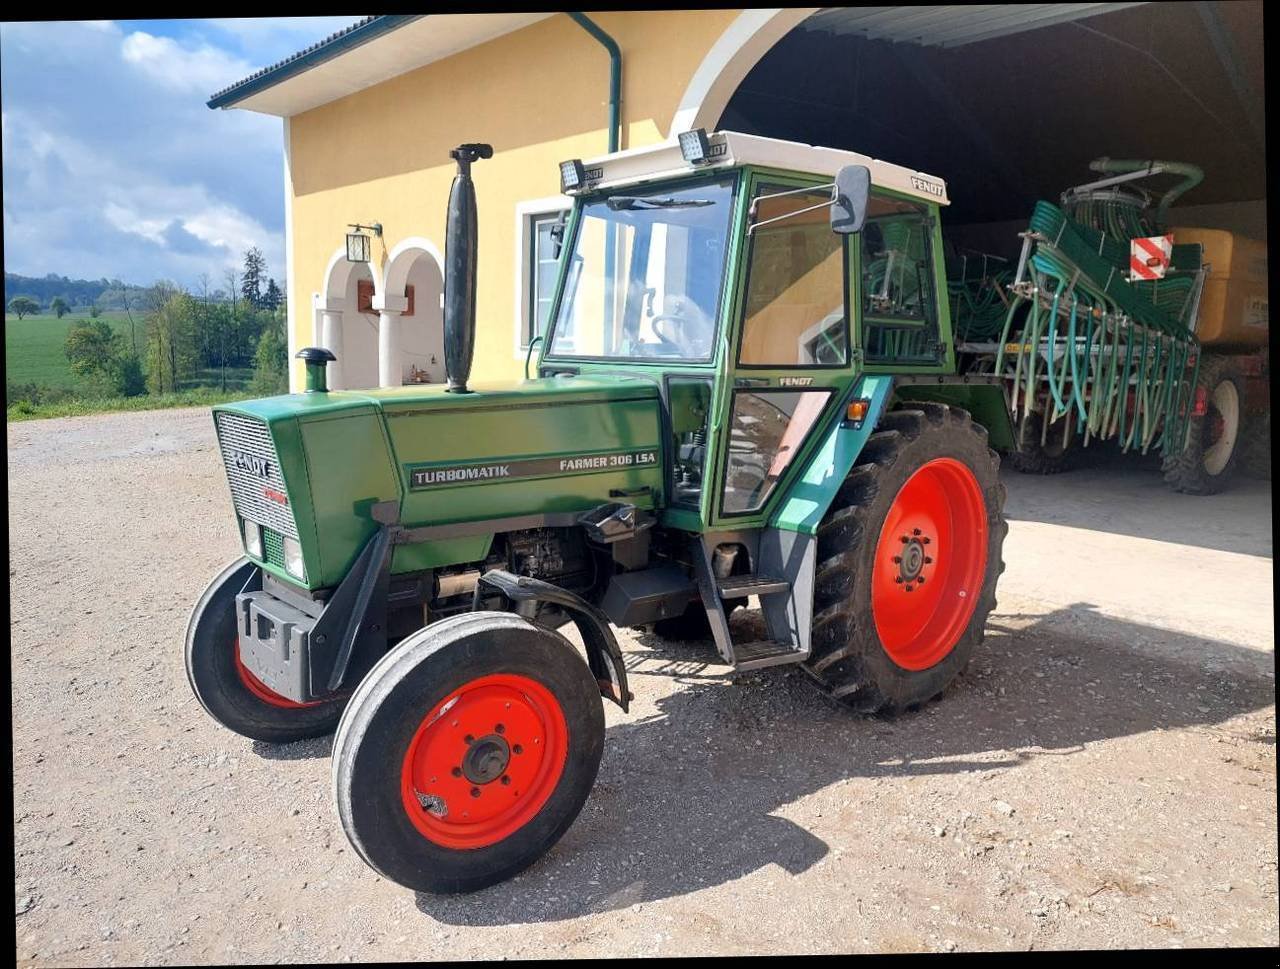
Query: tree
271	359
271	299
59	307
171	353
255	268
95	310
22	305
91	348
98	353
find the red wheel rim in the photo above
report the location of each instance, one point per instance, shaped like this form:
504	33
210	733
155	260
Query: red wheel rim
930	562
264	692
484	761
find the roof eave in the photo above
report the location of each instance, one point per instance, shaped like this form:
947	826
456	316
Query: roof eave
326	50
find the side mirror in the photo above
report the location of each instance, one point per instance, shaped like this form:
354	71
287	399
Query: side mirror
849	206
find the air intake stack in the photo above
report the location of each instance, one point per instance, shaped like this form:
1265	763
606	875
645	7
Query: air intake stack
460	248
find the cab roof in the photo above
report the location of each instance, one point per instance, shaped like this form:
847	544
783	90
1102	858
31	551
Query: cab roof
729	149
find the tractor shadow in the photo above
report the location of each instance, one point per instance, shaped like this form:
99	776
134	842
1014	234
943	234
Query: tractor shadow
691	779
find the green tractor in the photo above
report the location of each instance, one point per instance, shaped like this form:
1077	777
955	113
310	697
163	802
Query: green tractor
747	390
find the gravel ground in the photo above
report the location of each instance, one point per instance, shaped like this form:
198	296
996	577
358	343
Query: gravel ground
1103	776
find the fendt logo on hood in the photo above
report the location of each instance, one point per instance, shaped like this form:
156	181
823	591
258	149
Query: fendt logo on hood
249	462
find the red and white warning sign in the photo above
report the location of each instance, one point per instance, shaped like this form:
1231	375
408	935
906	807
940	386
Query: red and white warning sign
1149	257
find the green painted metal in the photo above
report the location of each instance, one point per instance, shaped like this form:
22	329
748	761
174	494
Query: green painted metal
988	404
820	478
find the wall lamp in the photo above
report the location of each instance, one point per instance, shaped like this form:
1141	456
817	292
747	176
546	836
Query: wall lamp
359	246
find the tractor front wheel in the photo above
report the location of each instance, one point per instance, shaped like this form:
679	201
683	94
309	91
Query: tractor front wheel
226	688
467	752
908	558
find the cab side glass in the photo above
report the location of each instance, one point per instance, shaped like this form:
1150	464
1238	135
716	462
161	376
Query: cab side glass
899	309
794	313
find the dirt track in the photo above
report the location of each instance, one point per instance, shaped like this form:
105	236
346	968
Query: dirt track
1105	774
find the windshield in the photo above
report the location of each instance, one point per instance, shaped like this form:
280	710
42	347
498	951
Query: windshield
645	273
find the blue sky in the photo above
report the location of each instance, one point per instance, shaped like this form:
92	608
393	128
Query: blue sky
114	167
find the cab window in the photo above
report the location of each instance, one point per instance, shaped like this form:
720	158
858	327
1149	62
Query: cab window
794	311
899	306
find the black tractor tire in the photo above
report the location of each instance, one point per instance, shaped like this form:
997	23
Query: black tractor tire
849	661
1208	462
226	690
1032	457
398	726
693	622
1255	446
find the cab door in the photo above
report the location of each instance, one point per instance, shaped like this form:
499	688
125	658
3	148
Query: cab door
791	354
905	324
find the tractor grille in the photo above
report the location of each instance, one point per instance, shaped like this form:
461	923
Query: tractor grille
273	547
249	456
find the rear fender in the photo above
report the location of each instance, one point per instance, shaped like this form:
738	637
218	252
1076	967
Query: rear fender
984	396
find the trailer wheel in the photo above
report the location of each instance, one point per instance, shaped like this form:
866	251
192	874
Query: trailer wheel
224	686
909	555
1205	466
467	752
1032	457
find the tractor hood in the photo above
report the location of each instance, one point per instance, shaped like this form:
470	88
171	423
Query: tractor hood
309	467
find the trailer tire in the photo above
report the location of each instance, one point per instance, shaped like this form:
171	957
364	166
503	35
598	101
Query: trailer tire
928	468
1032	457
410	763
226	689
1208	462
1255	445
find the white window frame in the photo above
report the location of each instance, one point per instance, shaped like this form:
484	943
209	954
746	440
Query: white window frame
527	213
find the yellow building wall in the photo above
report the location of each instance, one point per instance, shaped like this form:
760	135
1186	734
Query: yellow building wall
538	95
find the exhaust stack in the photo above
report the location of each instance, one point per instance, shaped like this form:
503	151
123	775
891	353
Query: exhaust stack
460	246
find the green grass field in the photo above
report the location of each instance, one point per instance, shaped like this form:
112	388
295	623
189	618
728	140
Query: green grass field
34	347
34	353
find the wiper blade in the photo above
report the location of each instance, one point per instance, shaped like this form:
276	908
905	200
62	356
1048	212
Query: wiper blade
620	202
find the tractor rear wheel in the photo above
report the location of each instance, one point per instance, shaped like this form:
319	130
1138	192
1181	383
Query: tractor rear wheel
225	687
467	751
908	558
1205	466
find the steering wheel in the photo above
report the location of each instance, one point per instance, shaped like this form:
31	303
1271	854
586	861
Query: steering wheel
693	336
678	341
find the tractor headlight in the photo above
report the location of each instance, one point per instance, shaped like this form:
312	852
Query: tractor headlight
253	538
293	559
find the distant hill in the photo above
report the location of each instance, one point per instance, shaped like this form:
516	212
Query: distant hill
107	293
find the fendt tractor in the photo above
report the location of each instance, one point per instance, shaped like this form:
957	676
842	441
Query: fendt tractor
747	392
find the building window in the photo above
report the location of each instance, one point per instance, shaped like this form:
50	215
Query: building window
542	273
536	266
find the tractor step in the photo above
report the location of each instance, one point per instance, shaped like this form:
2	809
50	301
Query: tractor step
741	586
764	652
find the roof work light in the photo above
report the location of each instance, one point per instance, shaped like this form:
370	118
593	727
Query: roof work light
572	175
695	148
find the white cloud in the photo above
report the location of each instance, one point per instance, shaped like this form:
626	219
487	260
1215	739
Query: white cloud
114	167
200	70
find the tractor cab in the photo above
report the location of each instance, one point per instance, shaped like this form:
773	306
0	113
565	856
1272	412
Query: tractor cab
755	281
